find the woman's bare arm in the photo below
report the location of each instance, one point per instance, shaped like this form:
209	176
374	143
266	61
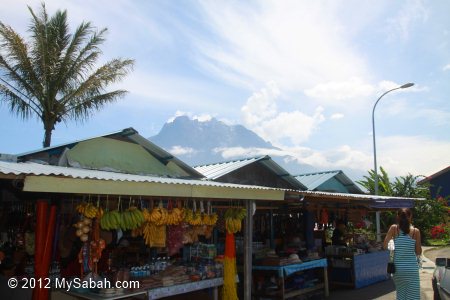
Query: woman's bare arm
418	241
389	236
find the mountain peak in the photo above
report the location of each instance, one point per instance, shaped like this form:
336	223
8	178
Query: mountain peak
205	136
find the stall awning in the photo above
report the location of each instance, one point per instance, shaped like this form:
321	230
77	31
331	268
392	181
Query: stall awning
56	179
370	201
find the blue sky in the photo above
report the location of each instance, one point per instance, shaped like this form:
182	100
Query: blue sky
304	75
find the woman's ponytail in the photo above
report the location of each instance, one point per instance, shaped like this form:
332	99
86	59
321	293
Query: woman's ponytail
404	215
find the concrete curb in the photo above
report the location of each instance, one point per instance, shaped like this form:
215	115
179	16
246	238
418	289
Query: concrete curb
426	262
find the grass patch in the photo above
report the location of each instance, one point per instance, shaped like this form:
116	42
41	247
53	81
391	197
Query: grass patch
437	243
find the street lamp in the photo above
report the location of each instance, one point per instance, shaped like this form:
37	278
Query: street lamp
406	85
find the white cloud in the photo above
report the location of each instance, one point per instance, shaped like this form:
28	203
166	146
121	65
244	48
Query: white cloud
262	115
179	150
336	116
386	85
438	117
178	113
192	116
423	113
412	12
238	152
446	67
398	155
203	117
353	92
418	155
261	105
334	92
334	158
297	44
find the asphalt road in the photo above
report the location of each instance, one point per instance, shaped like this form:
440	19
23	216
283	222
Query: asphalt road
437	252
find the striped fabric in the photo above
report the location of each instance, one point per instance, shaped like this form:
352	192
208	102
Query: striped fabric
406	276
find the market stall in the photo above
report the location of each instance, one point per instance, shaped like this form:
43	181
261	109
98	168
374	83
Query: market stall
284	271
157	234
355	258
282	265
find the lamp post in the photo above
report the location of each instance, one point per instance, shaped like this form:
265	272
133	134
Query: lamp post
406	85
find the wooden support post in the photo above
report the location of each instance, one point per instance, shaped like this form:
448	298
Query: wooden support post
248	249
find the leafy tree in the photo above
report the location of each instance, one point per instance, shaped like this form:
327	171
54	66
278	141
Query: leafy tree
55	76
426	214
406	186
384	183
429	213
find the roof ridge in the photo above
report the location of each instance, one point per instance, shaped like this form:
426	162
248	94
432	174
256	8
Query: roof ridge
124	131
233	161
317	173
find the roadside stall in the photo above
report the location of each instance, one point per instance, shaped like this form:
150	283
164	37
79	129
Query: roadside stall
283	267
114	209
358	259
122	227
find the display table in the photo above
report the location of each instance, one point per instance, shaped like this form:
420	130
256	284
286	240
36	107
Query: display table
187	288
358	270
160	292
287	270
95	296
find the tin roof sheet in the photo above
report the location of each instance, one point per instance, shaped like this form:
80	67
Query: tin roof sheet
217	170
372	201
31	168
313	180
133	136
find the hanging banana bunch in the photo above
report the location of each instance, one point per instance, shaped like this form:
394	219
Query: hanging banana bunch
209	218
233	219
88	210
130	219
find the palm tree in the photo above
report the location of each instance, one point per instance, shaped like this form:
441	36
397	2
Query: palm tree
384	183
54	75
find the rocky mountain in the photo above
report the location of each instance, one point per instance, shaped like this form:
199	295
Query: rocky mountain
186	132
203	142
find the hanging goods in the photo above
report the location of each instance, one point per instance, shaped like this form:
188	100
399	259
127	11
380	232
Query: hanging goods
229	268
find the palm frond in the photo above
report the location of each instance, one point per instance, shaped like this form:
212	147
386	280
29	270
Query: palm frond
16	63
70	55
85	60
96	83
83	108
17	105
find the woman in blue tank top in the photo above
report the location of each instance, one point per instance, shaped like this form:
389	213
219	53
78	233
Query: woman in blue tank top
407	248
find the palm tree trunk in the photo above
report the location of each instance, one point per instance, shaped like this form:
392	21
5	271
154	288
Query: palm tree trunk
47	136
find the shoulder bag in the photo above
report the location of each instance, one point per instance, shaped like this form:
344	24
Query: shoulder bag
391	265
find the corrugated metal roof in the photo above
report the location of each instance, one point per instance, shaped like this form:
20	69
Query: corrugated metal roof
217	170
437	174
127	130
353	196
30	168
133	136
313	180
372	201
